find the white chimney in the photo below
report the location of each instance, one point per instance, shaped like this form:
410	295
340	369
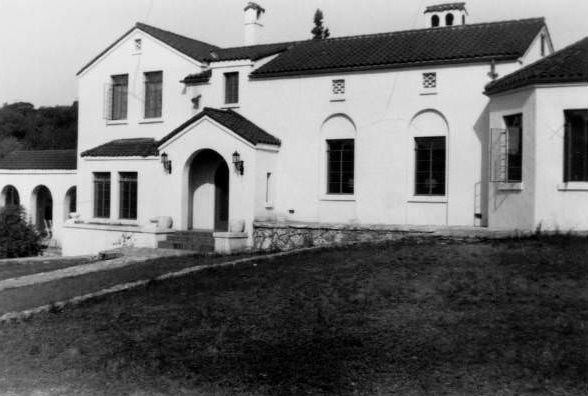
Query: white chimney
253	13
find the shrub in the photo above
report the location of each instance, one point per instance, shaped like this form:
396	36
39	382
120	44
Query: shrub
18	238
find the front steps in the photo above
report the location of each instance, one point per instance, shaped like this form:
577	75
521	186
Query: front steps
196	240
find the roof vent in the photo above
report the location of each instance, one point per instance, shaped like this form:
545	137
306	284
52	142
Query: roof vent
447	14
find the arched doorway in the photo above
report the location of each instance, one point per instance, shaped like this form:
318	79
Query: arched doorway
9	196
70	204
42	210
208	192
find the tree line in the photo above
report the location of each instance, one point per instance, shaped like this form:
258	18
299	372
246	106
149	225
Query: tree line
24	127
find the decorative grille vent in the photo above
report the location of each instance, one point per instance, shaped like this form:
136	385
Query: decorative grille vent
138	44
338	87
429	80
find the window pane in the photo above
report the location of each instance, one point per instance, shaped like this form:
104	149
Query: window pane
232	87
340	166
153	94
128	195
576	145
102	195
120	86
514	154
430	166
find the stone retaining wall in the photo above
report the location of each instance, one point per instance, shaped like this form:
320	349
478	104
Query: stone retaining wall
287	236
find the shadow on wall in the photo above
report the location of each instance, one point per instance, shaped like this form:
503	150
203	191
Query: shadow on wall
482	130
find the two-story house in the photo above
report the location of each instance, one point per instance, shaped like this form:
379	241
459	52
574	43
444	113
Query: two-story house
178	135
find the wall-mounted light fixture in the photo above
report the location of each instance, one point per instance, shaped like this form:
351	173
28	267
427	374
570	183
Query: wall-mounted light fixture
238	163
167	165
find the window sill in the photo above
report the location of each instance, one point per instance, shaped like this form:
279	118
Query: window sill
428	199
117	122
151	121
337	197
573	186
337	99
517	186
429	92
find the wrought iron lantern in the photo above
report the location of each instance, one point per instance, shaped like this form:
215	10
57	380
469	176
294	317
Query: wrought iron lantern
238	163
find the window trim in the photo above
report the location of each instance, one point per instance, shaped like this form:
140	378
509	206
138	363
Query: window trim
327	169
107	209
567	161
125	96
145	118
226	89
508	179
419	197
121	208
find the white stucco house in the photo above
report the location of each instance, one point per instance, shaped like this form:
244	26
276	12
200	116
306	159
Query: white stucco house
182	143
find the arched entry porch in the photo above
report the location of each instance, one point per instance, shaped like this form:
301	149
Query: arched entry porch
208	192
42	210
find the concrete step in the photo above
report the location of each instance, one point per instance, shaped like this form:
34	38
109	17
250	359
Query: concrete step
186	246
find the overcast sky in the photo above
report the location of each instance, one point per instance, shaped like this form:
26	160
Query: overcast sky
44	42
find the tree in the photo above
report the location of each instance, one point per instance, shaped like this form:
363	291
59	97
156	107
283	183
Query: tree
319	31
24	127
18	238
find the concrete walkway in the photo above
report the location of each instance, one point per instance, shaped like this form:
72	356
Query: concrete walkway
129	256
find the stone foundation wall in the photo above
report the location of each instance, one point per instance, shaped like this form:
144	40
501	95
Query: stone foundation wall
277	236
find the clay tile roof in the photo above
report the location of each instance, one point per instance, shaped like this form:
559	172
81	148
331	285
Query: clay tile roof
192	48
482	42
198	78
253	52
445	7
139	147
567	65
40	159
231	120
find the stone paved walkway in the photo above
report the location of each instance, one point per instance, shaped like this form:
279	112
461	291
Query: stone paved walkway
129	256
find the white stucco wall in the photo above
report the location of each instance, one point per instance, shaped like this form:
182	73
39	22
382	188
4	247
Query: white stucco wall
123	59
513	206
544	201
58	182
557	206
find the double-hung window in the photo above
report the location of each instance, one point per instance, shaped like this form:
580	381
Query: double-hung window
102	195
128	195
119	97
430	165
232	88
340	166
514	148
153	94
576	146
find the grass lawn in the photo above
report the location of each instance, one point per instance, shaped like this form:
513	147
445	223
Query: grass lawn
407	318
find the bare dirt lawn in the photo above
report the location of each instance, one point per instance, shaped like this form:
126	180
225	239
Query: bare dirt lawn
410	318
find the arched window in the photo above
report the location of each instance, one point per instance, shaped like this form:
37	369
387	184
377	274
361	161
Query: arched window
435	21
10	196
339	133
429	133
449	19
